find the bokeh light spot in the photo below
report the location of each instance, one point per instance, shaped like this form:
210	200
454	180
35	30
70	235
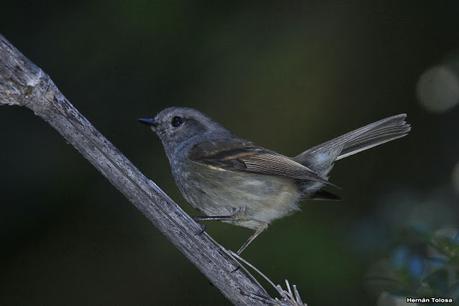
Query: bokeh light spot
455	178
438	89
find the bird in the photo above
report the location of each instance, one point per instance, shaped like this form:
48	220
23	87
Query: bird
233	180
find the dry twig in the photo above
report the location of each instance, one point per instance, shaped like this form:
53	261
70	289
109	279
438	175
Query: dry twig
24	84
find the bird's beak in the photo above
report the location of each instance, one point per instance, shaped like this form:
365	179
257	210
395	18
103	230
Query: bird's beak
149	121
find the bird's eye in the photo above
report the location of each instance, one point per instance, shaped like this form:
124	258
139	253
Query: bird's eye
177	121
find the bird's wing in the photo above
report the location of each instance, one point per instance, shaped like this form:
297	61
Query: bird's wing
244	156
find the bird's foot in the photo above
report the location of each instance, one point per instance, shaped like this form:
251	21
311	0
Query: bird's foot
201	230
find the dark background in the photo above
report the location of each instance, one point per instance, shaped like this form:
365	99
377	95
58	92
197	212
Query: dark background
287	75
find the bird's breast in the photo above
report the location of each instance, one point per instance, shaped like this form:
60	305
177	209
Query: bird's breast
217	192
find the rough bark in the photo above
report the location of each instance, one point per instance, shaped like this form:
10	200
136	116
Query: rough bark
24	84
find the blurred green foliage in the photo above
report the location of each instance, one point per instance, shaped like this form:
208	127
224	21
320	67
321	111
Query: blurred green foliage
420	254
428	268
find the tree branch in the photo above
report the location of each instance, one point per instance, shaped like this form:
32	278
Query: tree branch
24	84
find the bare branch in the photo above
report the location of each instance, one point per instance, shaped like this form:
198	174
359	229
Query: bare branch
24	84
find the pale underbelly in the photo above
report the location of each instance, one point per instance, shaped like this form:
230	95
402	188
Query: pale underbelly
258	199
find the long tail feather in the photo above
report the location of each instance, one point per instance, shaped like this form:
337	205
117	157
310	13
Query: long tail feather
321	157
374	135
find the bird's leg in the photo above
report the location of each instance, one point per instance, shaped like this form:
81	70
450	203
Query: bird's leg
237	215
234	216
212	218
257	232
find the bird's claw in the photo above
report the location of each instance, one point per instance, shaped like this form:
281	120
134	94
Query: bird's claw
201	230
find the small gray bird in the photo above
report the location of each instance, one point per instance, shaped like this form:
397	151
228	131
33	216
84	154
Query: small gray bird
233	180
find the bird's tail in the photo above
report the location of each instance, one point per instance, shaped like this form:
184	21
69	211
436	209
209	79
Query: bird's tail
320	158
